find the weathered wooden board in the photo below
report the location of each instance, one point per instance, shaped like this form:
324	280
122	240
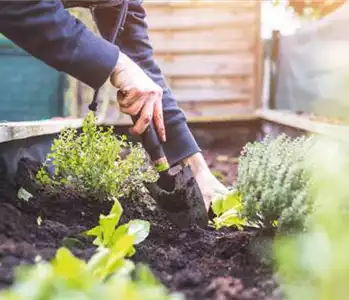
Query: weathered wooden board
195	3
209	52
215	110
197	15
226	40
240	64
238	84
209	95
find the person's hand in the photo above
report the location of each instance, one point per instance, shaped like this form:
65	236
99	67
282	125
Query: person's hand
139	96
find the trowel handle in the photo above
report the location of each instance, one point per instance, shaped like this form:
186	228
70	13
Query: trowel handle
151	142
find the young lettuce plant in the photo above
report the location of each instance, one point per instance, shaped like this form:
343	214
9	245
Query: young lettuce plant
107	233
227	209
271	191
96	162
104	276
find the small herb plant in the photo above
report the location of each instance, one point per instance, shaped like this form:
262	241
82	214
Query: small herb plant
272	186
314	264
95	162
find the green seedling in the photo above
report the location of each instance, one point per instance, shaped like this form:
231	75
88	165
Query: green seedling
107	275
107	233
227	209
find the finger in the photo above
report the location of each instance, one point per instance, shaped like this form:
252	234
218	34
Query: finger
145	117
158	118
132	96
134	109
121	94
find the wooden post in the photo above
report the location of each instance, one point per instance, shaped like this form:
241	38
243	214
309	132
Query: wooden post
274	68
258	59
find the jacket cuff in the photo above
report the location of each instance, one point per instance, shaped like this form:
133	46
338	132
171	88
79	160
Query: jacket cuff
180	143
93	60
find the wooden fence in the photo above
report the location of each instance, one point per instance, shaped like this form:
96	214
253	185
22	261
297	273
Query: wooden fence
210	53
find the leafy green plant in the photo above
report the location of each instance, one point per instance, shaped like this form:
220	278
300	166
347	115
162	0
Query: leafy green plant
272	186
107	233
228	210
105	276
96	161
315	265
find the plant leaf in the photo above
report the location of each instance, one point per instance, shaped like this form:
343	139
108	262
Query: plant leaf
139	229
229	218
67	265
108	261
104	232
222	203
145	276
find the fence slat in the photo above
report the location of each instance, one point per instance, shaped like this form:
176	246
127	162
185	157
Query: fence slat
235	39
206	65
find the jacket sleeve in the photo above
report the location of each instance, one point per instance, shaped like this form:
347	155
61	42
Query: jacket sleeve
134	42
48	32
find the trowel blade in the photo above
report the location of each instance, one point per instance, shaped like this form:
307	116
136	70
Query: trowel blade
184	205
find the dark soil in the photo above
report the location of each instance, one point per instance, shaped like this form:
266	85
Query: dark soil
204	264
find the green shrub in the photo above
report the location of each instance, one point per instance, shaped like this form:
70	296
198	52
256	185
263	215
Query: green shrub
95	162
272	186
314	265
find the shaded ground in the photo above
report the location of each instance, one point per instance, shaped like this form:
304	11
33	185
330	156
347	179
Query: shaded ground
204	264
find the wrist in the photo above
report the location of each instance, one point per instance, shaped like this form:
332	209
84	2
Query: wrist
119	66
197	163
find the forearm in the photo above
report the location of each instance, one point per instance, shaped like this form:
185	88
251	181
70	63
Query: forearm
135	43
48	32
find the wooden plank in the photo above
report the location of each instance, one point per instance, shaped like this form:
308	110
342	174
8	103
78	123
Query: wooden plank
207	65
209	95
160	18
204	41
215	109
238	84
21	130
258	58
237	116
242	4
291	119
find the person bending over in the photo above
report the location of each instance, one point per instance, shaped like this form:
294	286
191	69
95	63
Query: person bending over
46	30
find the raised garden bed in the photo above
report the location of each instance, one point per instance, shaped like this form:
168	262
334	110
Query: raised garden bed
201	263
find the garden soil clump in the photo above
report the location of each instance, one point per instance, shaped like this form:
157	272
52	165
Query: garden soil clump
203	264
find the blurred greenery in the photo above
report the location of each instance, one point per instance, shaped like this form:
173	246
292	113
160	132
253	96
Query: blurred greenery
315	264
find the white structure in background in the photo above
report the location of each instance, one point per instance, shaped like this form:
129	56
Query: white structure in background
275	18
278	18
314	65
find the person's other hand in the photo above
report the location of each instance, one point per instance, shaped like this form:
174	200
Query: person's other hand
138	95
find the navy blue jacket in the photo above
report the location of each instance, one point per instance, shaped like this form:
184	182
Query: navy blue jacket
46	30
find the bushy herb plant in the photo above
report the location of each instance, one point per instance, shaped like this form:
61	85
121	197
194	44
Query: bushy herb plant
314	265
97	161
272	186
